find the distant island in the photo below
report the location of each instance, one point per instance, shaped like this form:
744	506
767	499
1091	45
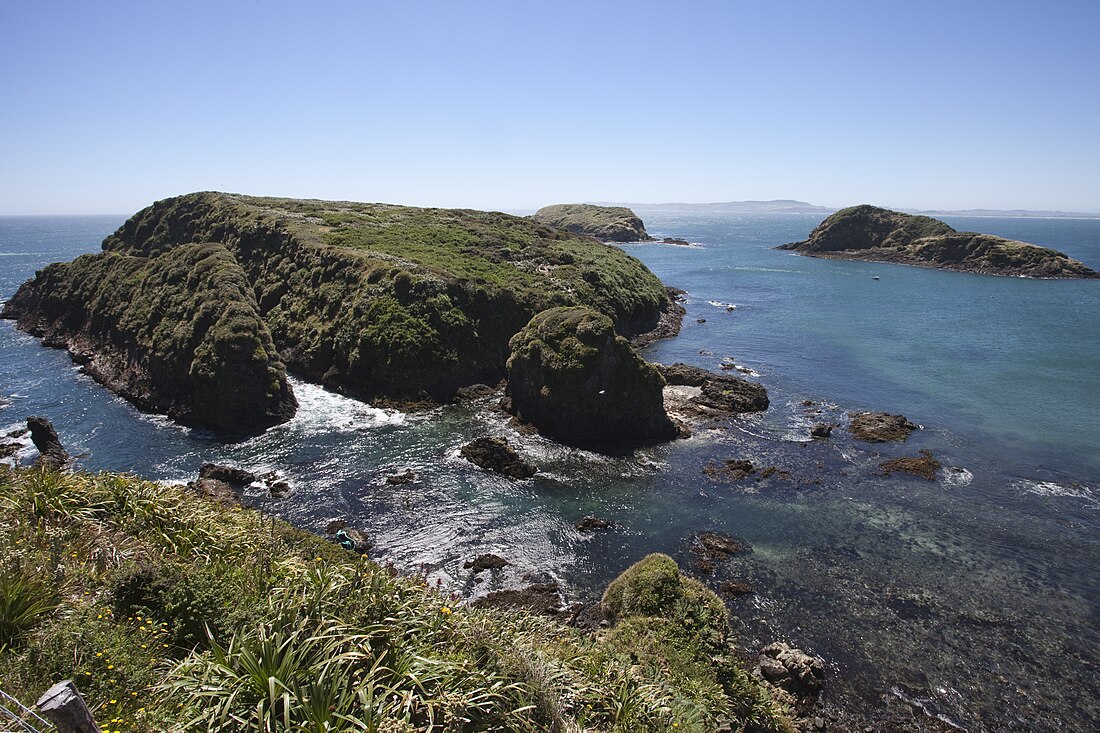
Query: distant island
605	223
791	206
871	233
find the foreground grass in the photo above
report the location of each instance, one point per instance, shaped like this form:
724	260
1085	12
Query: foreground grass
174	613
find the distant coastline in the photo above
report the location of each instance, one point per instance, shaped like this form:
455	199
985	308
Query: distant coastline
791	206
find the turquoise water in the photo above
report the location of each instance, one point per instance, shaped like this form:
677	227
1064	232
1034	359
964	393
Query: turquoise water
973	597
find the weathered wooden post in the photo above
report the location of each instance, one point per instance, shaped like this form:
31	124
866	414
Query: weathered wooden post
64	707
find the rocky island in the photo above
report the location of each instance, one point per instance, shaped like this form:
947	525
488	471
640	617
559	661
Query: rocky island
199	304
606	223
870	233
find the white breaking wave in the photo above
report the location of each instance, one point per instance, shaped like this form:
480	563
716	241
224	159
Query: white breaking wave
956	476
1052	488
320	409
719	304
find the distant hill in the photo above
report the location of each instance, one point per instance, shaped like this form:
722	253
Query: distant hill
778	206
790	206
1022	213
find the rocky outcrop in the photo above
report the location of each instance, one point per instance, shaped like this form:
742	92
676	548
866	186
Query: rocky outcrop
720	393
606	223
791	669
485	561
869	233
495	454
52	455
372	300
178	334
228	474
571	376
880	427
923	466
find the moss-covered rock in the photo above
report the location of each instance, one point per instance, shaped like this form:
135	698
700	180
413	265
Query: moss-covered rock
178	334
870	233
576	380
606	223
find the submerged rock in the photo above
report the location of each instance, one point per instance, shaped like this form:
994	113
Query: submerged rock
880	427
734	469
606	223
486	561
228	474
592	524
924	466
718	545
495	454
405	477
734	588
871	233
577	381
53	455
822	430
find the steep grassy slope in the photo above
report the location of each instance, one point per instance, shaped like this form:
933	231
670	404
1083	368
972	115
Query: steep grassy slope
173	613
870	233
178	334
395	301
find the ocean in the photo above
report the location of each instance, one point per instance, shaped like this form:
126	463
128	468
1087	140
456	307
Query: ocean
973	599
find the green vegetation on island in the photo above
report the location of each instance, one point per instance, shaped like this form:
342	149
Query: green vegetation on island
606	223
179	334
375	300
571	376
173	612
869	233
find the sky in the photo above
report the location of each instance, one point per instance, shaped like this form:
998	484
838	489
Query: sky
106	107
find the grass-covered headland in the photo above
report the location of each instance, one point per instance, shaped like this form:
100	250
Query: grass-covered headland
175	613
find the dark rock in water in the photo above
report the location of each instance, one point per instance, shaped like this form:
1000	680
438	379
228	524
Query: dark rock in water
53	455
880	427
405	477
925	466
577	381
700	320
278	489
474	391
822	430
606	223
720	392
540	598
791	669
718	545
18	433
495	454
9	449
734	588
703	566
486	561
871	233
228	474
215	490
677	241
592	524
732	470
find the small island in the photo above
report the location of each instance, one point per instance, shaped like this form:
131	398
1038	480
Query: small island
879	235
605	223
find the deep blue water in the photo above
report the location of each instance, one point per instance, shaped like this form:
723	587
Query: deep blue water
974	596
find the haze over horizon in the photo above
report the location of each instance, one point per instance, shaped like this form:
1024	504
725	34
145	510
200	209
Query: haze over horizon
513	106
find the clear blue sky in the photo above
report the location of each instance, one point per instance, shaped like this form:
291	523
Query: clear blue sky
107	106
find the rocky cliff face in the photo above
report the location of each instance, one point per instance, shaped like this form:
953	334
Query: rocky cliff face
606	223
178	334
572	377
374	300
870	233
